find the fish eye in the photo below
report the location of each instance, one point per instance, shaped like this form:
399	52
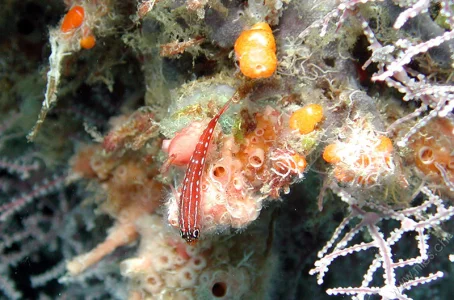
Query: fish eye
195	234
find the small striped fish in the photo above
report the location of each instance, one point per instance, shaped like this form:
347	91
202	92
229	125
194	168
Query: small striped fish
189	214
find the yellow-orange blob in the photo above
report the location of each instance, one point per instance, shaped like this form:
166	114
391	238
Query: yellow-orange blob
330	154
88	42
300	162
256	51
73	19
305	118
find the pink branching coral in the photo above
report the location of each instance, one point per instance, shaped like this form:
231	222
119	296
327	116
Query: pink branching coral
131	192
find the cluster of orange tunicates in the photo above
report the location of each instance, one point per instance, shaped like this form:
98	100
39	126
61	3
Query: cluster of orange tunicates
247	166
363	157
433	152
73	20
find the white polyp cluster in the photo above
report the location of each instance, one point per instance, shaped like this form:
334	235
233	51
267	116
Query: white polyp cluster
361	159
166	265
162	261
226	207
245	211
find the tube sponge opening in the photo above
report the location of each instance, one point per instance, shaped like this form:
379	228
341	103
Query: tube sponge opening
198	263
256	157
219	289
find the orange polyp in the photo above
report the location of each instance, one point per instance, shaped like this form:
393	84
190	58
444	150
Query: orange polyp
73	19
88	42
330	154
364	161
342	175
305	118
256	51
385	146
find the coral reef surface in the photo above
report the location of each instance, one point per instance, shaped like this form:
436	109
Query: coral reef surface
226	149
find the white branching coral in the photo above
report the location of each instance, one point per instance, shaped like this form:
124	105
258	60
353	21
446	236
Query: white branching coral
418	219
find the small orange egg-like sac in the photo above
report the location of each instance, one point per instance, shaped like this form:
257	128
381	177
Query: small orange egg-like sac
385	145
256	51
73	19
331	155
305	118
87	42
300	162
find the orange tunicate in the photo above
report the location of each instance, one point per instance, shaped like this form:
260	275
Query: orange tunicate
73	19
256	51
331	155
305	118
87	42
